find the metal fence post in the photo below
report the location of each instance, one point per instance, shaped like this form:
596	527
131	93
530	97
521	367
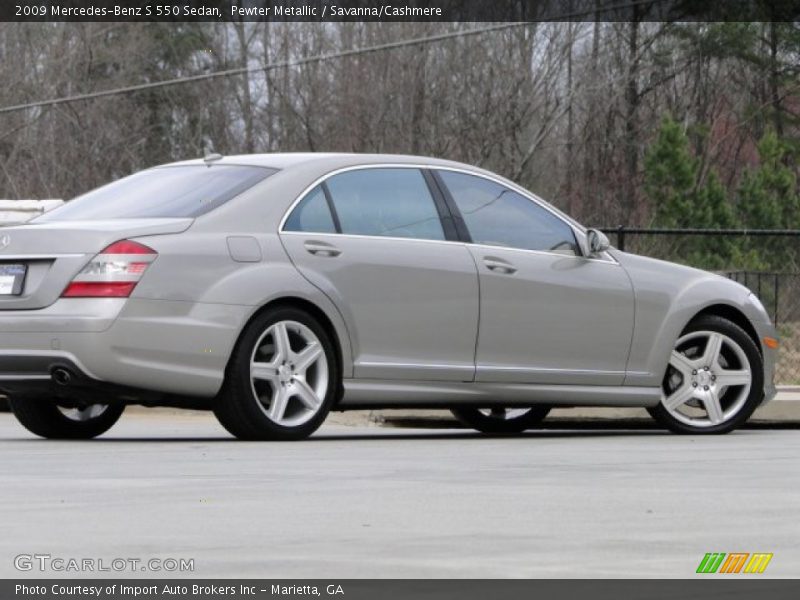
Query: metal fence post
621	238
777	287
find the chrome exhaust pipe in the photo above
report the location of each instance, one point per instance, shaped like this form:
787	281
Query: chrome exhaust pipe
62	376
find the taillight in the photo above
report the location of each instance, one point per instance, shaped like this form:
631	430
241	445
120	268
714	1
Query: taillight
113	273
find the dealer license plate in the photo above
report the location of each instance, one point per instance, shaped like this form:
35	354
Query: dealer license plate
12	278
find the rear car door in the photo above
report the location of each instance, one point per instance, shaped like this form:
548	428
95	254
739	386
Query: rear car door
379	242
548	314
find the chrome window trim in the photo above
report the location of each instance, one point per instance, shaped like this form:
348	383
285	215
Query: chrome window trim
335	172
372	237
612	261
574	227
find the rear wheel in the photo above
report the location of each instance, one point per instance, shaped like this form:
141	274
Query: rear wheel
50	419
714	380
501	420
282	378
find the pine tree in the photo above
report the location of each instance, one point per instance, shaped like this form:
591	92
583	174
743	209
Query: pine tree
768	198
670	176
679	200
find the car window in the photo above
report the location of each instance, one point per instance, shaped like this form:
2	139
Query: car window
392	202
183	191
498	216
311	214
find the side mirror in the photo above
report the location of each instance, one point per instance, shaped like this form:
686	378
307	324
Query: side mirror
596	241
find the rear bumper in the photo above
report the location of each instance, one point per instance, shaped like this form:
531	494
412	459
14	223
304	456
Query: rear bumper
59	376
35	367
179	348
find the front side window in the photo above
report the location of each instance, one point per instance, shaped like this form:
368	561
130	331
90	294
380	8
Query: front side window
498	216
391	202
183	191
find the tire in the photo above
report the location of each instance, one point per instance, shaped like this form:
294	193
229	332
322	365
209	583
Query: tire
47	419
280	398
710	351
484	421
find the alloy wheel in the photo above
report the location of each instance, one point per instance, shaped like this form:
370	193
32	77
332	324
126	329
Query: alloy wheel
83	414
708	379
289	373
504	414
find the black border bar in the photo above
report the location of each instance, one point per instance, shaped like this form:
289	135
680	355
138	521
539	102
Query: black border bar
398	10
740	587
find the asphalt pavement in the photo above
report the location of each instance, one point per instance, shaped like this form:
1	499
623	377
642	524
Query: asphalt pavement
361	501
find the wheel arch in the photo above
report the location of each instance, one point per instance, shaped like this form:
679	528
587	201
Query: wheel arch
733	314
315	311
702	297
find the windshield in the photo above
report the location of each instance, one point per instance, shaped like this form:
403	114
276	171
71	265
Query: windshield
185	191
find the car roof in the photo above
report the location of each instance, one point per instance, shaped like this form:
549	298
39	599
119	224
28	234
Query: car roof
325	160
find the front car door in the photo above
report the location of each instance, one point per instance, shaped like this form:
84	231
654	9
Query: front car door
378	242
548	315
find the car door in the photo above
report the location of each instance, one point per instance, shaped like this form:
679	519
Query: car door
548	315
380	244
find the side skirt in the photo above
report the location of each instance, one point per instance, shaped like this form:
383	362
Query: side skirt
376	393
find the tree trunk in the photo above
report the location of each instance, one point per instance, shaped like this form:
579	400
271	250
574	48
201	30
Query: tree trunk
774	79
247	102
631	125
569	188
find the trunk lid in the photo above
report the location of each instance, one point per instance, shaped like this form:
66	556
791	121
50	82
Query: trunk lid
52	253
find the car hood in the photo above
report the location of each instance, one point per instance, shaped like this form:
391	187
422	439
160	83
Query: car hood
672	278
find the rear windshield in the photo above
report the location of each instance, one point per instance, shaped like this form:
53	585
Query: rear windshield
185	191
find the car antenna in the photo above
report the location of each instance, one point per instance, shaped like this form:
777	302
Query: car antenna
210	156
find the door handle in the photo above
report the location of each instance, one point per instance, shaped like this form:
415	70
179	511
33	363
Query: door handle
499	265
321	249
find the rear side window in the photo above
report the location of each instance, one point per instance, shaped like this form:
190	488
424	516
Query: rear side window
498	216
312	214
391	202
185	191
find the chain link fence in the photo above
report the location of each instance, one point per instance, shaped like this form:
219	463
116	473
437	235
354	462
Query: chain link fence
765	261
780	294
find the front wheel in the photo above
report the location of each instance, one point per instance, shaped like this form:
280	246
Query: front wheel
54	420
714	380
501	420
282	379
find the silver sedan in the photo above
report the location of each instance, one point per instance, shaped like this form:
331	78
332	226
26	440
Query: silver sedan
275	288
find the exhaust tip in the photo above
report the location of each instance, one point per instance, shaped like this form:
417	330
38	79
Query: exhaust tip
62	376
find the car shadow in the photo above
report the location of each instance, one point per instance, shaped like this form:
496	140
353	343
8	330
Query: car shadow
378	436
431	430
